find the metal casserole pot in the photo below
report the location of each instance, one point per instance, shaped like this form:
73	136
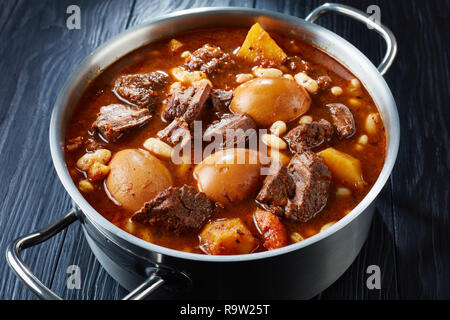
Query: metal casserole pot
298	271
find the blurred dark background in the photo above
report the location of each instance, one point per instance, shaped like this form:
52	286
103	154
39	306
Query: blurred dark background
409	239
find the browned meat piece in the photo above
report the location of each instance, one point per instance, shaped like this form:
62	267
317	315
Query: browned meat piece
187	103
311	177
93	144
140	90
221	100
323	82
230	131
176	132
297	64
179	210
312	184
116	119
343	120
309	135
277	189
208	59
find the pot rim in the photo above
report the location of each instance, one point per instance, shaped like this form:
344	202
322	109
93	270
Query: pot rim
57	138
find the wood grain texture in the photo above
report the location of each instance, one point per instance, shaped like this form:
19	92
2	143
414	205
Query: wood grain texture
409	239
40	54
420	182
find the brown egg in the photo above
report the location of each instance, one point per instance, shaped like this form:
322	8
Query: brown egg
268	100
229	175
136	177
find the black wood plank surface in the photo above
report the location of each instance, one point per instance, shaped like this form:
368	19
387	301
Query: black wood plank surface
409	239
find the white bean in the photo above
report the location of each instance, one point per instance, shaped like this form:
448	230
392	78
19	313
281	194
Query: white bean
158	147
363	139
355	102
336	91
187	77
343	192
355	83
267	72
278	156
307	82
85	186
326	226
88	159
273	141
243	77
372	122
305	119
185	54
278	128
296	237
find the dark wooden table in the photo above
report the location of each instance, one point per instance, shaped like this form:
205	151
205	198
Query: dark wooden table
410	236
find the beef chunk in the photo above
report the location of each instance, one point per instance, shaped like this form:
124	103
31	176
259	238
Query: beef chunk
179	210
343	120
309	135
221	100
231	131
323	82
116	119
276	191
312	183
308	175
176	132
208	59
187	102
140	90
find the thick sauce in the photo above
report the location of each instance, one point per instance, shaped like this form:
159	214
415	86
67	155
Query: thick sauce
158	56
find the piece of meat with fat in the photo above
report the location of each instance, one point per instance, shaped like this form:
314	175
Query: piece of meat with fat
271	229
276	191
324	82
179	210
221	100
208	59
309	135
311	179
187	102
176	132
141	90
343	120
116	119
231	131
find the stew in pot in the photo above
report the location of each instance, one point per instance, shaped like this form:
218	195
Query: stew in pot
225	141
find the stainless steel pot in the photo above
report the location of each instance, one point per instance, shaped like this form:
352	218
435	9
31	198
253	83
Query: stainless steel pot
298	271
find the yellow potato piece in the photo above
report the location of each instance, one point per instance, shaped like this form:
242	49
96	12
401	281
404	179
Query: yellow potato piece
225	237
259	45
344	167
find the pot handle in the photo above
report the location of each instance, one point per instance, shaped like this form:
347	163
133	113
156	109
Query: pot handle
388	36
14	258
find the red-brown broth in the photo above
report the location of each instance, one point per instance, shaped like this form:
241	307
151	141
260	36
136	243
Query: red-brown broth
157	56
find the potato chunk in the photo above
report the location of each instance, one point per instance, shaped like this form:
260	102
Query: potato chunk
259	46
225	237
344	167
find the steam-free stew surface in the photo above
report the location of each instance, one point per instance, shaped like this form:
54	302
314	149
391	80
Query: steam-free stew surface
368	148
